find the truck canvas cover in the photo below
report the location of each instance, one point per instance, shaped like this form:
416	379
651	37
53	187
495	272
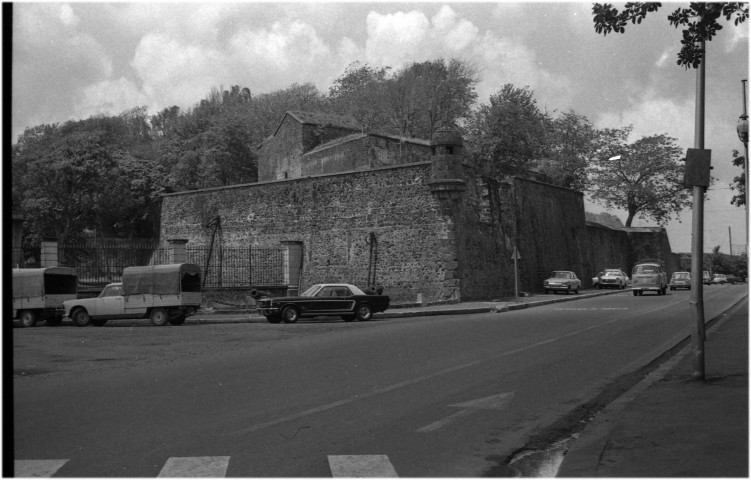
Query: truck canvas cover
162	279
30	282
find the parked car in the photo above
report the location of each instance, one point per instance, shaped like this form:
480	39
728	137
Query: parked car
680	280
162	293
613	278
562	281
39	293
646	277
719	279
324	299
596	280
706	278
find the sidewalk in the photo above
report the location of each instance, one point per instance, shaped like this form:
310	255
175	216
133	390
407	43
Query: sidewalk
671	425
416	310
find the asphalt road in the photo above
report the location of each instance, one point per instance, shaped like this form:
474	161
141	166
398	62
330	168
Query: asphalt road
435	396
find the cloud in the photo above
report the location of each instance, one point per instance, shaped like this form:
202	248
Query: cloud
393	39
653	115
52	62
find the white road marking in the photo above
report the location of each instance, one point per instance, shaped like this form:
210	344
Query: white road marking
195	467
361	466
594	309
37	468
493	402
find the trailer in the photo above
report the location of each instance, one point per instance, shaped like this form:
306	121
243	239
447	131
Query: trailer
39	294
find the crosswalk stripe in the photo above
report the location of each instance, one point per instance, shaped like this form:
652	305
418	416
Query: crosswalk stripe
361	466
195	467
37	468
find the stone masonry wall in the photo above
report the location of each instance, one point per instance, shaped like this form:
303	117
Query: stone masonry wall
548	226
333	215
607	248
281	153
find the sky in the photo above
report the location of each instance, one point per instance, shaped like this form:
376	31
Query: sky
75	60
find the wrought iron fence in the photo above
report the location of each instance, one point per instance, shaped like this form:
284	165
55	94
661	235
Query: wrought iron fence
99	264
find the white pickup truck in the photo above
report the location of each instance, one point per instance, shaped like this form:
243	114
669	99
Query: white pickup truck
162	293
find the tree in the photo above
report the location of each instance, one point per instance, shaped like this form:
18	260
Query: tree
62	188
739	182
360	93
431	94
700	21
572	144
645	178
412	102
508	133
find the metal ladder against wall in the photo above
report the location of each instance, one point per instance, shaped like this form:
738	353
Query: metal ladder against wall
372	241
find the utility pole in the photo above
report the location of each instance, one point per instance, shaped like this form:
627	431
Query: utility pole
697	232
730	240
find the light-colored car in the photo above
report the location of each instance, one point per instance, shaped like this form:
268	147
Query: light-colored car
613	278
680	280
706	278
562	281
719	278
649	277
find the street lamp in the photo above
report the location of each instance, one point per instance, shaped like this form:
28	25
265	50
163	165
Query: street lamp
742	129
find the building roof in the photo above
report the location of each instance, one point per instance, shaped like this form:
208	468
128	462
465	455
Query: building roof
357	136
323	119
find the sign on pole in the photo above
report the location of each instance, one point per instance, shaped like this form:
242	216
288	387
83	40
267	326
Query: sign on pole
516	257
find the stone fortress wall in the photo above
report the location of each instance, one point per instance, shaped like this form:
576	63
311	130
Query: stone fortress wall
437	229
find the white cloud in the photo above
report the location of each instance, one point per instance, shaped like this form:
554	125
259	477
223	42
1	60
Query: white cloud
110	97
395	39
173	72
653	115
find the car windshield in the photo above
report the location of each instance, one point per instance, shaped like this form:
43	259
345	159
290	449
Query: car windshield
320	290
311	292
681	276
642	269
561	275
112	291
613	272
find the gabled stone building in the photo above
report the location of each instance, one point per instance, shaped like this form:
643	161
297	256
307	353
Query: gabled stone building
407	214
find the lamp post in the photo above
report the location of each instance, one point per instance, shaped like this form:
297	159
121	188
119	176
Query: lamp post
743	136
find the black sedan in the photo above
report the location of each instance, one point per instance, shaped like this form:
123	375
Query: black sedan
324	299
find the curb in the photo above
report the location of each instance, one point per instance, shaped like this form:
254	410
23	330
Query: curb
418	312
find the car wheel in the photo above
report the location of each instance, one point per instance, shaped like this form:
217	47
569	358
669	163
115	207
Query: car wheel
178	320
290	314
158	317
28	318
363	312
576	292
81	318
98	322
636	293
348	318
